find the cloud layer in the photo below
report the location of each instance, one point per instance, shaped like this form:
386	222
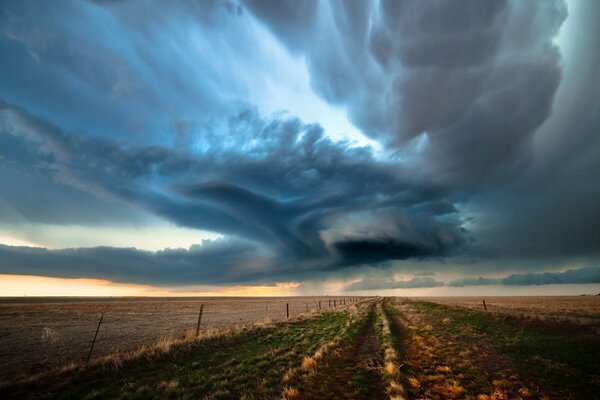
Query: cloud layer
304	200
487	121
570	276
484	72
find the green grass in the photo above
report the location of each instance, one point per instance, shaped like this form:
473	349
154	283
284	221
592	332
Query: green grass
398	333
343	372
564	358
249	364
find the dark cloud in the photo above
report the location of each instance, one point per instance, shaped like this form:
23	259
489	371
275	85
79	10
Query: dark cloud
380	281
477	96
482	73
474	282
313	203
550	212
582	275
212	262
490	152
376	251
571	276
108	68
288	18
372	283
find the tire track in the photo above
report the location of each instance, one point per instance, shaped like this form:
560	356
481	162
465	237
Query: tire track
352	370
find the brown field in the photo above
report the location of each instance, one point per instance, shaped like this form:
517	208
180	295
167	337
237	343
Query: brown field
584	310
523	348
40	333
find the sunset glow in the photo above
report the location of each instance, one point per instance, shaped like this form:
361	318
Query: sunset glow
21	286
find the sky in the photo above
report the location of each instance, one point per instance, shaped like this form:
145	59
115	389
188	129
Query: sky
276	148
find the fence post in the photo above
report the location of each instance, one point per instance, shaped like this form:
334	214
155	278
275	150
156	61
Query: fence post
329	303
199	320
484	306
287	308
94	340
334	305
319	305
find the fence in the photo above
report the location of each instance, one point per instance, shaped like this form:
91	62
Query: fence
35	336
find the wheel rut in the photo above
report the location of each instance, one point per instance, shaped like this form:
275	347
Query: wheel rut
353	370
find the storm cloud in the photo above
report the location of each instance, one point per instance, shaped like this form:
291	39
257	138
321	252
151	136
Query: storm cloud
570	276
288	189
484	116
390	283
481	72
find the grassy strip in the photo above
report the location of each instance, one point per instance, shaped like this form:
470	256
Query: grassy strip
351	369
298	374
249	364
391	369
443	366
438	365
563	360
401	341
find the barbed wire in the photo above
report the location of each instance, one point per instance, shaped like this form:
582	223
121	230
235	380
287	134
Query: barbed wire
26	345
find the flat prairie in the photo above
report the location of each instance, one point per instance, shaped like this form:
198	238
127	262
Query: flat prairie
584	310
39	333
543	348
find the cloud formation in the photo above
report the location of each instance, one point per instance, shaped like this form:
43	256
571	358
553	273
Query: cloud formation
570	276
311	202
487	121
483	72
478	97
212	262
390	283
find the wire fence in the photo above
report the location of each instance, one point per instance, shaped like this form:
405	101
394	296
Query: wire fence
36	336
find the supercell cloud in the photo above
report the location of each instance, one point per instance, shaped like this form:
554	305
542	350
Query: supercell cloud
485	116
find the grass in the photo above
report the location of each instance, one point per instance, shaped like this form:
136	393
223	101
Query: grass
391	370
349	369
248	365
563	359
377	350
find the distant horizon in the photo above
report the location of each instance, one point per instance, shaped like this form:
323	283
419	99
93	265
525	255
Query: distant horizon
590	289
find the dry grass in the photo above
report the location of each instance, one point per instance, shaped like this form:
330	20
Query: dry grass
309	365
290	393
60	329
162	346
583	310
391	369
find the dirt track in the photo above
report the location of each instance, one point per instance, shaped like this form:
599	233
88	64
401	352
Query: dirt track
352	371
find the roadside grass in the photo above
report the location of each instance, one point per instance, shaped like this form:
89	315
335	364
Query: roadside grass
564	359
249	365
439	365
351	370
389	339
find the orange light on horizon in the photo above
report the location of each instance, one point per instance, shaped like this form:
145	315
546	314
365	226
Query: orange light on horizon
29	285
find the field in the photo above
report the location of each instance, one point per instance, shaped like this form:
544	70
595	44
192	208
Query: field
38	333
376	348
576	309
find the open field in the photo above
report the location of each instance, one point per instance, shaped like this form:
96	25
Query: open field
41	333
576	309
392	348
